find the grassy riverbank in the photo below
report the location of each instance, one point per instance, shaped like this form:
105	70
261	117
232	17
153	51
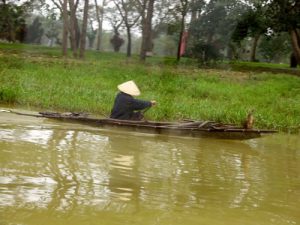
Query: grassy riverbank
37	77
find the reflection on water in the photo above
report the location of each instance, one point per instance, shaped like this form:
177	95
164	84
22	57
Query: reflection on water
59	173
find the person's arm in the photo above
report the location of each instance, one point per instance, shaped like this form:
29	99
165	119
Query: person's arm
138	104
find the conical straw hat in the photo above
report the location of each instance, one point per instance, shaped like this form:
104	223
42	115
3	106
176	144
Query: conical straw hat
130	88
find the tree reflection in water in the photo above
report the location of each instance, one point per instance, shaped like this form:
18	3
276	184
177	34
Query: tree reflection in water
71	174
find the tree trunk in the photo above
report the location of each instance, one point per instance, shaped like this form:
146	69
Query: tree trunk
147	30
143	51
65	28
180	38
295	38
77	32
99	21
184	9
73	27
128	41
84	27
253	50
143	6
194	16
101	26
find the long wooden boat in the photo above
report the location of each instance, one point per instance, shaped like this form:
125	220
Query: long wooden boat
184	128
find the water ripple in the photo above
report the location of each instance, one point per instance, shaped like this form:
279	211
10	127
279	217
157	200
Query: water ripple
86	174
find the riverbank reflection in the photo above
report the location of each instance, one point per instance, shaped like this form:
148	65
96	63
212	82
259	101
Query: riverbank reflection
84	172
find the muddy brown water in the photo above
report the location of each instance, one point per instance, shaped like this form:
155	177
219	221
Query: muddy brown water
61	173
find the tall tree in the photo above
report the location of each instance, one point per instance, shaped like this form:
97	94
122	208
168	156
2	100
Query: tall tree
115	19
91	33
208	32
84	28
146	8
253	24
183	9
52	27
70	21
35	32
284	16
73	27
12	21
100	16
196	7
116	22
164	17
62	5
130	16
64	11
276	47
212	26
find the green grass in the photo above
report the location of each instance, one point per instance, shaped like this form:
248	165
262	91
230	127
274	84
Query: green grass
37	77
261	64
263	67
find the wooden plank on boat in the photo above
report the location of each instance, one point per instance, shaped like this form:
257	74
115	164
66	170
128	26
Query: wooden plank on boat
204	124
195	124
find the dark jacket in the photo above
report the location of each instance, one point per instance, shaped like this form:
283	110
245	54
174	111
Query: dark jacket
125	106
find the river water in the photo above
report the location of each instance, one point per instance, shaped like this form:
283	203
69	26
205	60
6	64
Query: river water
56	173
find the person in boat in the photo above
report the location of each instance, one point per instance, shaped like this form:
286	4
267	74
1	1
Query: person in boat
126	107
